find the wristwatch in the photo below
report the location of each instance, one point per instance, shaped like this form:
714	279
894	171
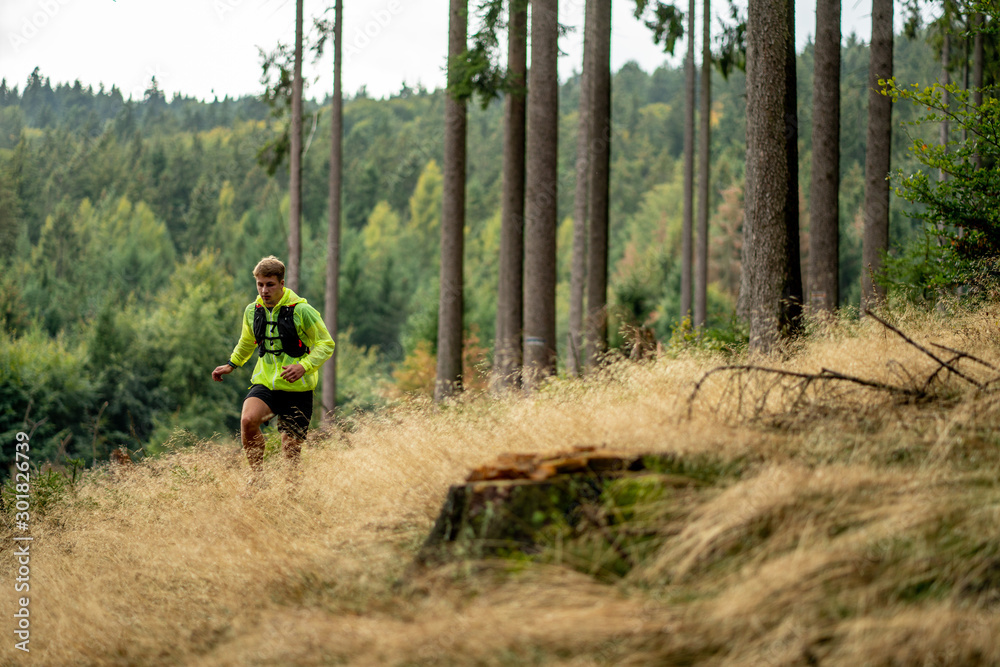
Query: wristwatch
232	364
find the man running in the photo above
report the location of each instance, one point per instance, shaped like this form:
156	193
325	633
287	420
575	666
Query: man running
292	343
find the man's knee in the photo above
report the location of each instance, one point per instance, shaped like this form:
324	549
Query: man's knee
249	422
254	414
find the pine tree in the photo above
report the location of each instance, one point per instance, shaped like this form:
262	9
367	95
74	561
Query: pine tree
510	290
293	267
450	300
596	334
687	253
333	225
540	196
824	207
704	198
581	198
765	262
790	314
875	240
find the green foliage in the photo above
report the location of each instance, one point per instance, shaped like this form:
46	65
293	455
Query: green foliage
47	488
705	468
9	207
665	21
191	330
45	393
375	296
720	337
645	285
425	215
961	223
361	373
478	70
732	54
482	252
923	271
13	316
125	383
277	73
93	256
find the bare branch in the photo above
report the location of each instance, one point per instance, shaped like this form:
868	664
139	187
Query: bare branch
807	378
965	355
826	373
754	405
923	349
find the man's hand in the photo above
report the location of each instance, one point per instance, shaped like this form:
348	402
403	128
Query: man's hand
292	372
224	369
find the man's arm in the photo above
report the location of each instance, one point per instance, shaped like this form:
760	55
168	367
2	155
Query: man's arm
241	353
247	344
224	369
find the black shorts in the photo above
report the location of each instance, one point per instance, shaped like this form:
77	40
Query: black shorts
294	409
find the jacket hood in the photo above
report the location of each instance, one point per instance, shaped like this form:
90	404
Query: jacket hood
288	297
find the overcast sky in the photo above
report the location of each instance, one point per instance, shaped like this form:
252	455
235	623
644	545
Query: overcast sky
207	48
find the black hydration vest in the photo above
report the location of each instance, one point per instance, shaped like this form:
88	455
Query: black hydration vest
289	337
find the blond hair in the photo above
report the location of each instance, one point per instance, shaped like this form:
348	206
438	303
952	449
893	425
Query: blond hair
270	266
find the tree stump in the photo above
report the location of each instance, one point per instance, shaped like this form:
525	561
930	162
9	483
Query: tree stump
525	501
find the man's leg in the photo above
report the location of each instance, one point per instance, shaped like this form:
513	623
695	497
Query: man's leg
294	423
255	412
292	447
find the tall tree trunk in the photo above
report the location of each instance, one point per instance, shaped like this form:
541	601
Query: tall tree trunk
945	95
540	196
581	198
765	229
875	239
824	206
686	225
704	143
966	68
333	225
294	263
596	335
450	302
977	71
792	296
944	128
511	281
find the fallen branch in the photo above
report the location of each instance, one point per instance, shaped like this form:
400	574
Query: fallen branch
824	374
945	364
874	384
805	380
959	354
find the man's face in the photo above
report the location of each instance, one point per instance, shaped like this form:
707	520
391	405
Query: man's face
270	289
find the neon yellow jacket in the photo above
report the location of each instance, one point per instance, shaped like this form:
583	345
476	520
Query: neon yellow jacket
312	331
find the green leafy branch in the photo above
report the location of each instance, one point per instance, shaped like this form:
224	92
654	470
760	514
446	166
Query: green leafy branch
960	209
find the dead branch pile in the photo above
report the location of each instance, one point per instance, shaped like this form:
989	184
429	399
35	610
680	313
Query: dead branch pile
761	392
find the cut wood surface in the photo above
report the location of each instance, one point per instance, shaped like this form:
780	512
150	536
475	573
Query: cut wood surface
522	501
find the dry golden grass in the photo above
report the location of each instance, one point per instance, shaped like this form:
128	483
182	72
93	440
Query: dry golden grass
857	528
